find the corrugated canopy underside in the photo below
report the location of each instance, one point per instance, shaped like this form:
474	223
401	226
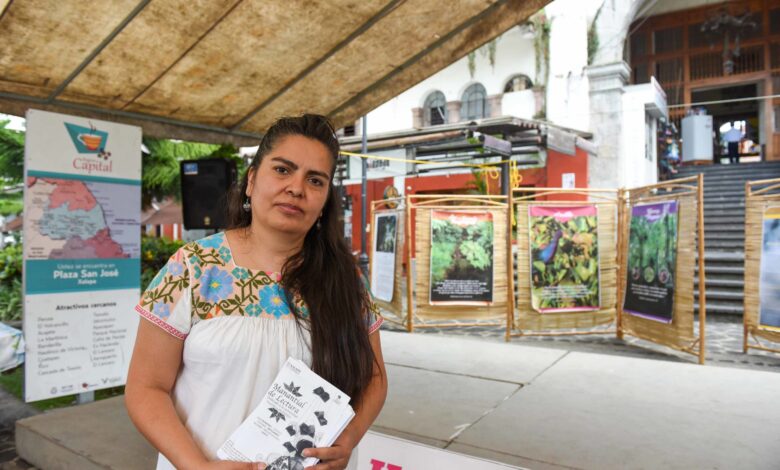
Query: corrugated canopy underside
223	70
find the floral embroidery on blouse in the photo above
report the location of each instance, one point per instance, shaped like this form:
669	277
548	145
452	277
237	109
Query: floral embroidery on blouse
203	271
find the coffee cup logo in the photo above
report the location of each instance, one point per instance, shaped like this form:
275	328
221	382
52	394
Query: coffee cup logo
91	141
88	140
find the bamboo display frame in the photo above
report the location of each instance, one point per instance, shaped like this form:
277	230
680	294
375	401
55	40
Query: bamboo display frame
396	306
421	314
522	319
757	200
679	334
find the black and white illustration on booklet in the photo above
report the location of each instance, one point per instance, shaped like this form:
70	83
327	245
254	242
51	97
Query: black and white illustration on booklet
299	411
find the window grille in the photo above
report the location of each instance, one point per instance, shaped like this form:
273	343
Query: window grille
435	109
474	102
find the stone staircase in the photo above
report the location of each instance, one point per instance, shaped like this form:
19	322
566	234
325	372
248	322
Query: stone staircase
724	230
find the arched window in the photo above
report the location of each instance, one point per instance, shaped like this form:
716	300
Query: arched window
435	109
518	82
474	103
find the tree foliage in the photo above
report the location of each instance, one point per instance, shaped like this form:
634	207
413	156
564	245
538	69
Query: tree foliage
161	177
11	154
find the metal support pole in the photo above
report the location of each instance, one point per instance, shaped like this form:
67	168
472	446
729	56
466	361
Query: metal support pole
86	397
363	258
505	189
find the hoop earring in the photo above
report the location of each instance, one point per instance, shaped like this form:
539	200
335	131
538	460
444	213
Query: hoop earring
247	205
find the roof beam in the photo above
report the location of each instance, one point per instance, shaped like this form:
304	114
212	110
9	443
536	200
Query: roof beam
153	126
105	42
387	9
469	35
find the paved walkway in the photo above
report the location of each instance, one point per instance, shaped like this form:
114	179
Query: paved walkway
723	338
546	408
571	402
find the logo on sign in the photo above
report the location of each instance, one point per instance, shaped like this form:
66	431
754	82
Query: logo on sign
379	465
87	139
90	141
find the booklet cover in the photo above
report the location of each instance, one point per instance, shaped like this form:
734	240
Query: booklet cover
300	410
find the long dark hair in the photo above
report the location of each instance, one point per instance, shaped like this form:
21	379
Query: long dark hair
323	273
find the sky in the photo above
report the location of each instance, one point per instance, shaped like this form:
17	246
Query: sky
16	123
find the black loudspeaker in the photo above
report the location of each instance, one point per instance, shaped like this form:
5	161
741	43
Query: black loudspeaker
204	188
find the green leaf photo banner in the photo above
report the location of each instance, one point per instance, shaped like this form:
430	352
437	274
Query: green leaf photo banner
652	257
564	258
461	258
769	281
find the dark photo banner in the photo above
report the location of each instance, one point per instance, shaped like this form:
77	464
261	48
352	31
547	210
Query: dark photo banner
461	258
652	256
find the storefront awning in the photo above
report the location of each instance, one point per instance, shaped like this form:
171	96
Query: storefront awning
222	71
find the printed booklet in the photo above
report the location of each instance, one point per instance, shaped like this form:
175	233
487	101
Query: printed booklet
300	410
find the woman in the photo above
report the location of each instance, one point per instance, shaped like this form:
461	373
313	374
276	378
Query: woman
227	310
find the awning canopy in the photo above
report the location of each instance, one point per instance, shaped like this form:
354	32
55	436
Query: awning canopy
222	71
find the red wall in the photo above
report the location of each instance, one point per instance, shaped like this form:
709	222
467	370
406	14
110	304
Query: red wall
559	163
550	176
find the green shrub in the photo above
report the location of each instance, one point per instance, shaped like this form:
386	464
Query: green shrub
154	254
11	282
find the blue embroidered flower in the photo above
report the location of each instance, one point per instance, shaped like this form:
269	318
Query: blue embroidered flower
158	278
254	310
214	241
216	285
175	268
272	300
240	273
161	310
224	253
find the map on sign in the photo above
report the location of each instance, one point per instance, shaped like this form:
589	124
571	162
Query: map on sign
71	219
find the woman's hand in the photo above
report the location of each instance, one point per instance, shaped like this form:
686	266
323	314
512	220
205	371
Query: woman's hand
335	457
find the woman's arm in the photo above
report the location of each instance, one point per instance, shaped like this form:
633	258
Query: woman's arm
153	369
368	408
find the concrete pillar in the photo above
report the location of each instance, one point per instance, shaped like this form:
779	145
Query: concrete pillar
418	118
494	105
453	111
539	98
606	114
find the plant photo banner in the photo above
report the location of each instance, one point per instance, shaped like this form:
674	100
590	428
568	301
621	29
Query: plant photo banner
384	246
769	280
652	255
461	270
564	258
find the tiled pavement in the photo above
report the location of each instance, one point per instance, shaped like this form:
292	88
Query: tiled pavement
723	338
723	335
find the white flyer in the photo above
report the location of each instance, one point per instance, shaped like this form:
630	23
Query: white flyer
299	411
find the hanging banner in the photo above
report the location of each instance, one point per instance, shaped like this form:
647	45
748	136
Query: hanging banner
652	257
564	258
383	256
769	280
461	258
382	452
82	243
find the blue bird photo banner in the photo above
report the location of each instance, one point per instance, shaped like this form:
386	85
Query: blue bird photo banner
652	258
769	280
564	258
461	258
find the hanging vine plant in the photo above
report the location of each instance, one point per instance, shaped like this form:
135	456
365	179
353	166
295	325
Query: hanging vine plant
542	47
593	38
486	50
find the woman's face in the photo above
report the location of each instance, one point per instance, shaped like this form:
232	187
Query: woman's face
289	189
